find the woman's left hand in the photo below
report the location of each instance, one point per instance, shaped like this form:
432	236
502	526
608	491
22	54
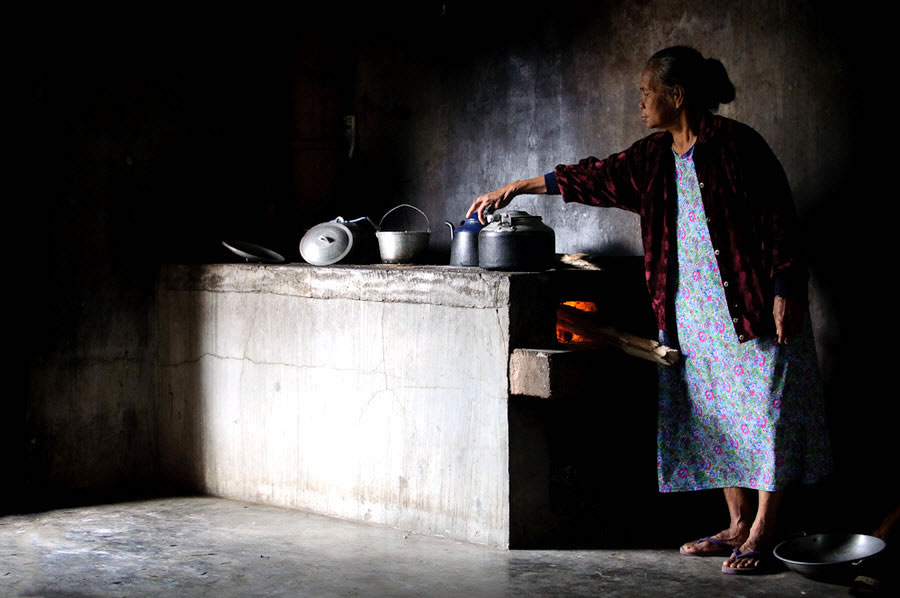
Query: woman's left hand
788	315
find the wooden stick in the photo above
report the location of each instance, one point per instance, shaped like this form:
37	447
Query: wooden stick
887	526
578	260
583	324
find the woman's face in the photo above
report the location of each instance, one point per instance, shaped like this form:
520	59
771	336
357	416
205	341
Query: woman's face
657	111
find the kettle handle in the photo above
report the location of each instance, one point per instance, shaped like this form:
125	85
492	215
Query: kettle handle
450	224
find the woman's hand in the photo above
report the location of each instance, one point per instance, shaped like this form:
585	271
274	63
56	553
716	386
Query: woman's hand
501	197
788	314
495	200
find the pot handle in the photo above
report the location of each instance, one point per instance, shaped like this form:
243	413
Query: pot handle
406	205
340	220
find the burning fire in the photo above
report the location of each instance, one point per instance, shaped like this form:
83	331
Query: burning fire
568	338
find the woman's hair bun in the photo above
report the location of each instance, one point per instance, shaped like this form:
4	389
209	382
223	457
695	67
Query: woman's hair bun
704	80
719	87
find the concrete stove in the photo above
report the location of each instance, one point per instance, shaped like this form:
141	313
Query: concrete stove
371	393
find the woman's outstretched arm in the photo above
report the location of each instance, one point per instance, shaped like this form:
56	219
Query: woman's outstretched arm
501	197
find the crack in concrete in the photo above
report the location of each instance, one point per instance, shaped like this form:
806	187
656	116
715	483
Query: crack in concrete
383	350
396	401
256	362
493	302
410	387
250	330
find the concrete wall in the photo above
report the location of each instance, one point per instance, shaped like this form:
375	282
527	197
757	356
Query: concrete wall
84	325
560	83
378	395
489	95
121	143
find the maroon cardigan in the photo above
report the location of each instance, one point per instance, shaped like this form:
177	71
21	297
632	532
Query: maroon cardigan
748	205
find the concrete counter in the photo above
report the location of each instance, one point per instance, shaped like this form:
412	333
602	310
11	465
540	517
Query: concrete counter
370	393
434	285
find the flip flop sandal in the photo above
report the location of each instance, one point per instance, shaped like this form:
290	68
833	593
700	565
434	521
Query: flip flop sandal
723	548
764	566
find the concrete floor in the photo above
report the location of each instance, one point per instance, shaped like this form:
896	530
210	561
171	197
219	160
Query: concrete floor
209	546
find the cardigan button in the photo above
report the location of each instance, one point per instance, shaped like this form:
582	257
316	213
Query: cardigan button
701	185
734	320
717	252
741	337
725	284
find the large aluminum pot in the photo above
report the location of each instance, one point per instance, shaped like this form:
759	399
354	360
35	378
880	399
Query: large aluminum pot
516	240
402	246
835	557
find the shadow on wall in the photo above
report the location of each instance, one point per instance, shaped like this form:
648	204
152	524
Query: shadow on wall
850	236
855	340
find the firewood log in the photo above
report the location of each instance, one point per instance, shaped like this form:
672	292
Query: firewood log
583	324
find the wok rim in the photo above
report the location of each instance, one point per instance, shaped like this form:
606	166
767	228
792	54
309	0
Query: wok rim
789	562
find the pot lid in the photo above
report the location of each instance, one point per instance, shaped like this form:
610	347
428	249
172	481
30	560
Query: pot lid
253	253
515	221
515	216
470	225
326	243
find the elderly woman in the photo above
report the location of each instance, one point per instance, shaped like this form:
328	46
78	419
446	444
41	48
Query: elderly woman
742	410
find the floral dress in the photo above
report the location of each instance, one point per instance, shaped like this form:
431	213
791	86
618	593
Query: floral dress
731	414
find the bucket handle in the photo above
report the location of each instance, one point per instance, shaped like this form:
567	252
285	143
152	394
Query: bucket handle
405	205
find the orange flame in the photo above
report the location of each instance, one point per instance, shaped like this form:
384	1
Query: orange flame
568	338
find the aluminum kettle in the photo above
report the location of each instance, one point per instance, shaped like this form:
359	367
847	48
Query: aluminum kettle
516	240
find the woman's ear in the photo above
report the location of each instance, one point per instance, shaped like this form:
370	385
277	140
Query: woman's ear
678	97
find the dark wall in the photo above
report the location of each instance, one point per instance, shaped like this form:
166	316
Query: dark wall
479	97
132	151
137	148
137	140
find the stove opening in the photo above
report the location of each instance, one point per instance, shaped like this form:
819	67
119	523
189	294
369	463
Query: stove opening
568	332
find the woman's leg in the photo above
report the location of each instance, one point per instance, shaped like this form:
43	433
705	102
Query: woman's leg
762	532
740	512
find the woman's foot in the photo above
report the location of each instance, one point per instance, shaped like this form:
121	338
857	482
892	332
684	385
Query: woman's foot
720	544
753	556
